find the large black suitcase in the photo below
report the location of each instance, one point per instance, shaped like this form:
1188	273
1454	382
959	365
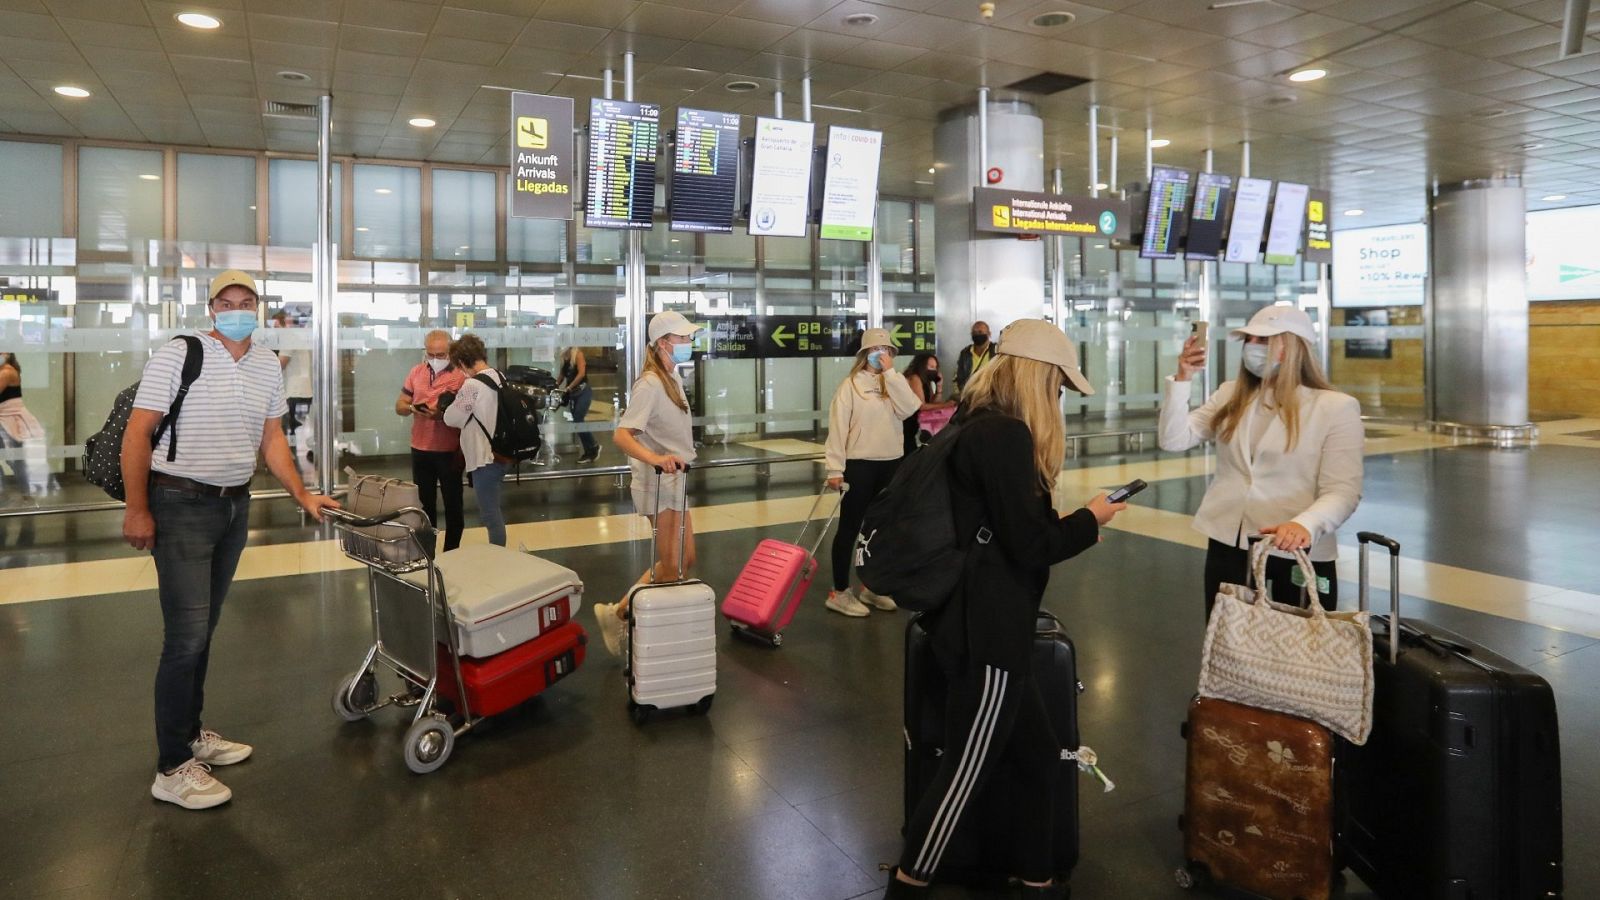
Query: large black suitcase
1457	793
982	851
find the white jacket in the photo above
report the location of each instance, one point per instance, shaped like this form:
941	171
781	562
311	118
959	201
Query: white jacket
865	424
475	411
1317	484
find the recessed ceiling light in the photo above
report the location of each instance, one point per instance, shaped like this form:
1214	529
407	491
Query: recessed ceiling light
199	20
741	87
362	228
1280	100
423	122
1552	198
1304	75
1530	146
384	191
291	75
1159	142
70	90
1355	212
1363	171
859	19
1053	19
930	170
150	177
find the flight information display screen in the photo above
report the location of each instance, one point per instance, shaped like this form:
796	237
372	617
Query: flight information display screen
1211	194
705	171
1249	219
1163	220
623	139
1288	222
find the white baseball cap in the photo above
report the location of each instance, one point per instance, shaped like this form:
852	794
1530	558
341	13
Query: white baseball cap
1272	320
669	322
876	337
1040	340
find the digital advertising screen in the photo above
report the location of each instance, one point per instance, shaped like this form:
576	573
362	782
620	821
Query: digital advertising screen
1288	224
780	178
850	184
1385	266
623	141
1163	220
1206	216
1249	222
705	172
1562	261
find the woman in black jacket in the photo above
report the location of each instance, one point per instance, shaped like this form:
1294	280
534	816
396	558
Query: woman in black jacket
1003	469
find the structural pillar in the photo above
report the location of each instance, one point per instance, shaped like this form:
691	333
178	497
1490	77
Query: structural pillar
994	278
1477	315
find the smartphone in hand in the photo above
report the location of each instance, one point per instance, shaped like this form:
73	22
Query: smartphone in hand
1199	330
1121	494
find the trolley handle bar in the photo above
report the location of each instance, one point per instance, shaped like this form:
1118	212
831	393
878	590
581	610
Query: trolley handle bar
1372	537
1367	538
354	521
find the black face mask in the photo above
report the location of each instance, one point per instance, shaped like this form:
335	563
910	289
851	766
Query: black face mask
979	338
932	376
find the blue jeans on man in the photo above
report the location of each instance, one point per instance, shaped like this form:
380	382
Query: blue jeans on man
199	540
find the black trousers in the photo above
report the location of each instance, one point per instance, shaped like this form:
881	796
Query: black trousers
995	719
430	468
866	478
1230	565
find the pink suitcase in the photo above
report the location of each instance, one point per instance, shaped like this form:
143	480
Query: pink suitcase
768	591
933	421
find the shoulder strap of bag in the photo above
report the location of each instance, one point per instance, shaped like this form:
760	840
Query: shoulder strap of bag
193	356
483	377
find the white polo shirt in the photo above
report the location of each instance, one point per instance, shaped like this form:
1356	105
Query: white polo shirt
219	428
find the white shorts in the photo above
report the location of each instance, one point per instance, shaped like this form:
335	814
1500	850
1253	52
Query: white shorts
644	493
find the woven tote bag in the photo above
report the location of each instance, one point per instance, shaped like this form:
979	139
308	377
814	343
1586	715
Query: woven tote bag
1305	662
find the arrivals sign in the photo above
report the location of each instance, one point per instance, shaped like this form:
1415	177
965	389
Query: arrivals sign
541	156
1034	213
1319	230
789	337
1380	266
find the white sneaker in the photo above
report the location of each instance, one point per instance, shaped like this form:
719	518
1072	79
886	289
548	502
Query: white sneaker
845	603
612	629
215	750
191	787
877	601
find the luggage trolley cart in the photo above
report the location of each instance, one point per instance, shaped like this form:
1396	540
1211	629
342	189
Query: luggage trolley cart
412	635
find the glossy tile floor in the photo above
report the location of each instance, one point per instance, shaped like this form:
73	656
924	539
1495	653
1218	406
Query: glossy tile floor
790	787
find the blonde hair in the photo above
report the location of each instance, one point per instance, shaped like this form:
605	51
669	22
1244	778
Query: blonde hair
1298	369
654	366
1029	390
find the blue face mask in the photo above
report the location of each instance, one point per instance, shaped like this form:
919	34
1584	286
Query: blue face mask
875	360
236	324
1256	361
682	353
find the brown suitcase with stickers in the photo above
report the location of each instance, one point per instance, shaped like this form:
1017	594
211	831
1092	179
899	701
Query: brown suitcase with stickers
1258	805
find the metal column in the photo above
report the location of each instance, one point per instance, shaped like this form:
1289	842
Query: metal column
324	319
633	270
1058	265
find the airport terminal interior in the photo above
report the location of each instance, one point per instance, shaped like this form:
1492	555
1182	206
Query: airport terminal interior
1419	178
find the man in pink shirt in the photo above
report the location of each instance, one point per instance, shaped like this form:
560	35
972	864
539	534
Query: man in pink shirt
435	446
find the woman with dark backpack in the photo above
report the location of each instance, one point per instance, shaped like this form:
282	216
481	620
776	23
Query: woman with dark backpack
1003	469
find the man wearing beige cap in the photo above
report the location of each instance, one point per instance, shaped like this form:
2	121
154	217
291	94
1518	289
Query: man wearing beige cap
188	502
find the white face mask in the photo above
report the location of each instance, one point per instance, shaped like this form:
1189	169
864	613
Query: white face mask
1256	361
438	365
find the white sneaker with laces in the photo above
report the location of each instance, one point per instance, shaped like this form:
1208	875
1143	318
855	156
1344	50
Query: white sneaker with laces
215	750
877	601
845	603
612	629
191	787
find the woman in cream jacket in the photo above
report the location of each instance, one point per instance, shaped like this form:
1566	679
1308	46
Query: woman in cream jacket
1289	454
865	444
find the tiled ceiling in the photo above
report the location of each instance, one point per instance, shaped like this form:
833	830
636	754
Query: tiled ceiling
1417	91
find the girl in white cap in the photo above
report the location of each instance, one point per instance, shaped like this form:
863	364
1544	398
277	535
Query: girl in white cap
1289	454
1003	470
865	444
656	432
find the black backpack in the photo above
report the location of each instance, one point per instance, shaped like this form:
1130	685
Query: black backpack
516	424
908	547
102	452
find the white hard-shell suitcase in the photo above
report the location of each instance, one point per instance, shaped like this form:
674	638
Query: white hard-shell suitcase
501	598
672	639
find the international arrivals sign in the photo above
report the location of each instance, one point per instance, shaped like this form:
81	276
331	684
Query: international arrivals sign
1035	213
541	156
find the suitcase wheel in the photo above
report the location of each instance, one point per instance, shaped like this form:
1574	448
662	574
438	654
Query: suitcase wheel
777	640
1191	875
703	706
428	743
639	714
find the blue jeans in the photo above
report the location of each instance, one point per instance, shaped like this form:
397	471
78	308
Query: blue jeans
198	543
486	484
579	403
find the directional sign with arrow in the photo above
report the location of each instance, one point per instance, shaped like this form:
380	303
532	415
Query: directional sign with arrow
779	337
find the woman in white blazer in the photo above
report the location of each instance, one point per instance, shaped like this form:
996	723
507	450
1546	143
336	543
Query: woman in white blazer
1289	454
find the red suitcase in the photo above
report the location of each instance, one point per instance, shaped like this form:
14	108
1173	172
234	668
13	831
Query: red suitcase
768	591
500	682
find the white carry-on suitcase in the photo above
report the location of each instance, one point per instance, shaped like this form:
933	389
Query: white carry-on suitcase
672	636
501	598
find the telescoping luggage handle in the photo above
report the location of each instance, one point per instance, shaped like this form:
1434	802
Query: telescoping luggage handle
683	520
1372	537
826	524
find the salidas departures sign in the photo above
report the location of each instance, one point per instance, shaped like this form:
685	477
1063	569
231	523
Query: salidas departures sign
1035	213
541	156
